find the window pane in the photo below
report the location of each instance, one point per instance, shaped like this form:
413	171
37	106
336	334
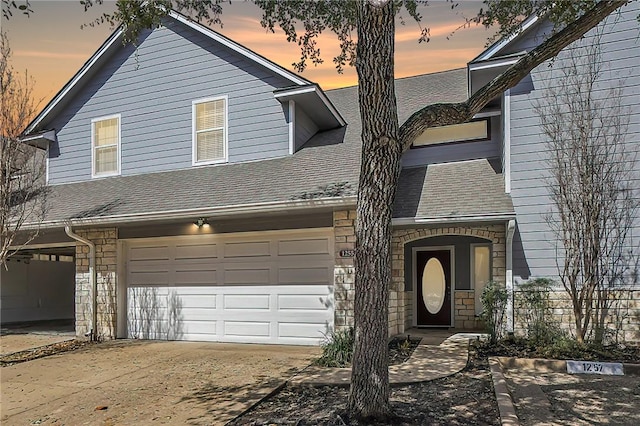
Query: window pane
106	132
210	115
481	273
457	132
106	160
210	145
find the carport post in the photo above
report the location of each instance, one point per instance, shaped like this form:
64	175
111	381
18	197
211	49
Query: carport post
93	280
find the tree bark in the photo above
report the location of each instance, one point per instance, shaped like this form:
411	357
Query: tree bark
379	174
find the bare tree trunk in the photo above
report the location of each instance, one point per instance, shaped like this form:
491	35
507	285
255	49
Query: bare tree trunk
380	170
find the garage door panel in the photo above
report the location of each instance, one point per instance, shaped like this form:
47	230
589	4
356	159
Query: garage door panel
198	327
193	301
197	314
231	288
197	277
303	247
149	253
247	301
302	330
196	251
307	302
149	278
301	275
247	328
247	249
241	276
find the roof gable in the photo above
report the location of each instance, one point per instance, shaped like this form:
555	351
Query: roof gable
114	42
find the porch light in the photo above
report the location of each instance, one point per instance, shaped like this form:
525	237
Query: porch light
201	222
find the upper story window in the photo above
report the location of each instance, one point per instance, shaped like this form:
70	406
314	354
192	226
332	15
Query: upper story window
105	146
210	131
474	130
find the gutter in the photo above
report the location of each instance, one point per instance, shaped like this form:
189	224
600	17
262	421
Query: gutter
93	280
511	227
491	217
209	212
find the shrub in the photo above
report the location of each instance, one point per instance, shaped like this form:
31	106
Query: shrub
337	349
494	300
534	310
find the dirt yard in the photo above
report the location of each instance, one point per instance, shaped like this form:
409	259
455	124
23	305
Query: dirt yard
566	399
136	382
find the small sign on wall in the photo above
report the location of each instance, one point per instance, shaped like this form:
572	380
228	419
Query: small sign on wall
588	367
347	253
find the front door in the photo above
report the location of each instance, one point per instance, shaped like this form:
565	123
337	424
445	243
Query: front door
433	285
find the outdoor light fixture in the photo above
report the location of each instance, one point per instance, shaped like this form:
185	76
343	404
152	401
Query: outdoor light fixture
201	222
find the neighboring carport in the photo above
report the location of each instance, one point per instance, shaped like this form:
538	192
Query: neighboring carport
38	284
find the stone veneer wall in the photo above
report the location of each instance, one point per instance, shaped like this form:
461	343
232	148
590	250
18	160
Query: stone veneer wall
401	313
105	240
465	310
623	323
344	271
344	276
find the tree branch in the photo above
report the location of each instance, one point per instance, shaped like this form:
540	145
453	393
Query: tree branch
455	113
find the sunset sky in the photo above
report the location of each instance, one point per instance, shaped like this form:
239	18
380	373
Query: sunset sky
52	47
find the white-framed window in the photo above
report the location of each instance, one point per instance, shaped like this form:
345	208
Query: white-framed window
105	146
480	271
210	132
473	130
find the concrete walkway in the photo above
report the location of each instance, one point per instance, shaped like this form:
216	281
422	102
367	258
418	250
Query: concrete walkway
429	361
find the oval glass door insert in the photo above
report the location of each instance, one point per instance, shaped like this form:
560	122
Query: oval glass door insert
433	286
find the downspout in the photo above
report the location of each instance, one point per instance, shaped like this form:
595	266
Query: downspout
93	280
511	227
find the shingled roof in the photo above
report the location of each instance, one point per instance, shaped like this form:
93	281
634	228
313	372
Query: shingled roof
327	167
464	189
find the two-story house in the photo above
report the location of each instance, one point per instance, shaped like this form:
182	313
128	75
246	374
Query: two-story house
205	193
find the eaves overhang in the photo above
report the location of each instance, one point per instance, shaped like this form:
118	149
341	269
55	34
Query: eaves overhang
313	100
209	212
40	140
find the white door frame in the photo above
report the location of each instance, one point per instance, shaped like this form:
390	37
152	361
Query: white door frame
414	272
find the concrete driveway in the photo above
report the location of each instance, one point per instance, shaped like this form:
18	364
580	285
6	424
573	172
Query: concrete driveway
142	382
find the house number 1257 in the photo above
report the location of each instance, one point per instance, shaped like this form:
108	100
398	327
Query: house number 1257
588	367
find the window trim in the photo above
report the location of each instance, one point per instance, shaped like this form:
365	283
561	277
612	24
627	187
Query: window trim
93	146
472	272
194	140
488	138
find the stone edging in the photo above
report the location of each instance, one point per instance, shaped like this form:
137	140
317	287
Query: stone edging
506	406
553	365
507	410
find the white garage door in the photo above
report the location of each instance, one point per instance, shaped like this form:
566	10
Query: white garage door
268	287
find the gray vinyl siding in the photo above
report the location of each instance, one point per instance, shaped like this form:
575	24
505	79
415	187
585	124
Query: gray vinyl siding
534	244
153	90
305	128
457	151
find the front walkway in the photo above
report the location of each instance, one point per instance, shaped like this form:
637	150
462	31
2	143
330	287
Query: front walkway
439	354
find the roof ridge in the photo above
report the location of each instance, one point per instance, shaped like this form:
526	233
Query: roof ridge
403	78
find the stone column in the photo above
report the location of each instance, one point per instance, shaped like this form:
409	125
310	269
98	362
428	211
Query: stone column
106	263
344	271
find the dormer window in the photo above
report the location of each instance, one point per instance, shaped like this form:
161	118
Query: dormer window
105	146
471	131
210	131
